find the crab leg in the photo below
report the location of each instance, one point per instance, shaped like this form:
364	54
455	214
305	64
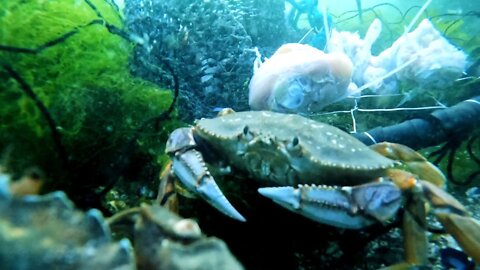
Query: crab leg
455	219
415	239
415	162
465	230
191	171
345	207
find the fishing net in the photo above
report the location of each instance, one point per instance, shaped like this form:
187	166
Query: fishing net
208	44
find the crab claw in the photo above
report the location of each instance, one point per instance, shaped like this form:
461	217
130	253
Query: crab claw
345	207
190	169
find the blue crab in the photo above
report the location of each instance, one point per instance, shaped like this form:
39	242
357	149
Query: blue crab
319	172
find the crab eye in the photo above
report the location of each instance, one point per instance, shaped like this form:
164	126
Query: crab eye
293	146
246	134
245	130
295	141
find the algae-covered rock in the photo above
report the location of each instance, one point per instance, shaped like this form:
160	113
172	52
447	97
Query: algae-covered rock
74	58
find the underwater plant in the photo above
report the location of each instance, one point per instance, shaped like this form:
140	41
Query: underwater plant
74	58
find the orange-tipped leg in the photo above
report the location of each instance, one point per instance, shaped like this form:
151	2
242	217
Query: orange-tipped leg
466	230
415	162
455	218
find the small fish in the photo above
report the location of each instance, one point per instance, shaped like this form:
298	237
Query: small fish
456	259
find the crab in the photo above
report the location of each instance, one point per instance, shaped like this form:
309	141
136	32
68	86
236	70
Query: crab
48	232
320	172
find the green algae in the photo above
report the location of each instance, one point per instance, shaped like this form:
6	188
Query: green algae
84	81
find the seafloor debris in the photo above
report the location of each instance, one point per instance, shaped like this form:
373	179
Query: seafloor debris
300	78
422	57
306	80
